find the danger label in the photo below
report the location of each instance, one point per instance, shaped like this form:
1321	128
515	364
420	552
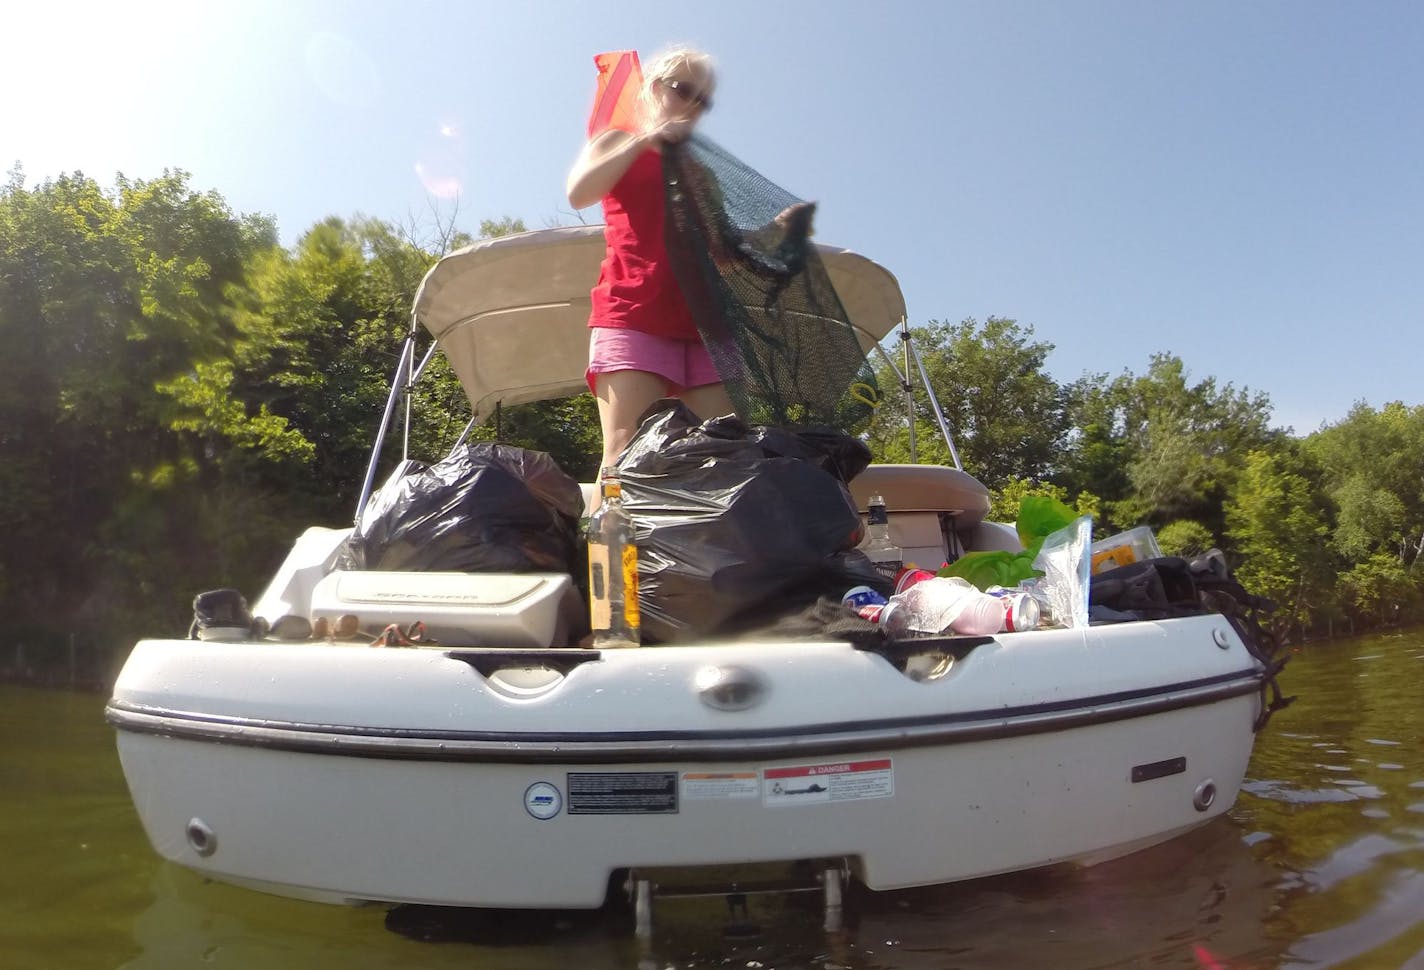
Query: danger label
840	781
720	784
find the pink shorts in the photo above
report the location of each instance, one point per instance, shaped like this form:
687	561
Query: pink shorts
684	364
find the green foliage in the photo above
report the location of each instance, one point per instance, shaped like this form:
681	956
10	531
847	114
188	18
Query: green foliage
105	296
504	226
1185	538
1157	448
1005	413
1372	466
567	429
1380	588
1277	518
1006	502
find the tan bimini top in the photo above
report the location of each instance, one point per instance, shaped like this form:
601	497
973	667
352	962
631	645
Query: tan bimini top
511	313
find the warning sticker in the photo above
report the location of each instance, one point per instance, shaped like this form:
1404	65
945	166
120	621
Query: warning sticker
622	792
720	784
840	781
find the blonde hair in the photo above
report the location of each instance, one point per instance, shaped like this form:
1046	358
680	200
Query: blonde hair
665	65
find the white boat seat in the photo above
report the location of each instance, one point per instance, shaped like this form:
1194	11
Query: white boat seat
918	498
924	488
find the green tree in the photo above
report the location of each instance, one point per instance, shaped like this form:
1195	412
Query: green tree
1005	413
1185	538
1373	469
1380	589
1277	518
103	297
1177	444
1096	450
1005	500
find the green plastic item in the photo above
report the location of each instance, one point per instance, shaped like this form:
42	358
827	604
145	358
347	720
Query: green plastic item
997	568
1039	517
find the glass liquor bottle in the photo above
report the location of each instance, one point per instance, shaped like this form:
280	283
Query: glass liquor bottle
877	545
612	569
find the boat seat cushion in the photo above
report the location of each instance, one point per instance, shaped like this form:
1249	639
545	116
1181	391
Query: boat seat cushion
924	488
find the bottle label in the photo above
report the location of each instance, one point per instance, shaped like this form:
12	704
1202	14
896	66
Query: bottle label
889	568
630	586
600	613
876	515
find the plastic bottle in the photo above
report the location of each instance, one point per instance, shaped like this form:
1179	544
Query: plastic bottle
877	545
613	570
942	604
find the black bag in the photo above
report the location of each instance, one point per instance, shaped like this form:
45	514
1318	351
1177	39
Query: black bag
486	508
221	610
737	524
1158	589
1152	589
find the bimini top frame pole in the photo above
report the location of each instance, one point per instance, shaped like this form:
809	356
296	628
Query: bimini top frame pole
402	382
907	387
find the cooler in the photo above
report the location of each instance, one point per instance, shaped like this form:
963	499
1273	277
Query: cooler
458	609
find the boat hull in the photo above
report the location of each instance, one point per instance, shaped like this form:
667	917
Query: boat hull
495	793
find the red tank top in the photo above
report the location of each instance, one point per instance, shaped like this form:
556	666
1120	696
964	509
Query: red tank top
636	287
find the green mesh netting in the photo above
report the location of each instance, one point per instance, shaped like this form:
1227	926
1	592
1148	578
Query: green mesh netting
760	296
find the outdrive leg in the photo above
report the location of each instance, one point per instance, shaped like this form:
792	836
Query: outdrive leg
643	908
832	893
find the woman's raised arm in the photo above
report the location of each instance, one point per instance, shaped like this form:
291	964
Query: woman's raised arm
601	164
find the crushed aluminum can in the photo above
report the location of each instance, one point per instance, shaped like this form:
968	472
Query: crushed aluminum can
906	578
1020	609
860	596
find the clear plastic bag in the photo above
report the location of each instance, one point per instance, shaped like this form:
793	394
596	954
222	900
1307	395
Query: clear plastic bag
1063	588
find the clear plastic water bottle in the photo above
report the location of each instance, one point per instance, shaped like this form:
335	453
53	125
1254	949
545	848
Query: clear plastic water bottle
942	604
888	558
613	570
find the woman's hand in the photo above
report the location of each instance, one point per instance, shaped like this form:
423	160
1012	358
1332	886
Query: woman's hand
796	215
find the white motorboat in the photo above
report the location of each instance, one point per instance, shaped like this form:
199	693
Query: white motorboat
505	767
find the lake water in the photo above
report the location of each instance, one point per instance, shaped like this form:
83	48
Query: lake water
1319	864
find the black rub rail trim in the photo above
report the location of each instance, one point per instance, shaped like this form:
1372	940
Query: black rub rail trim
644	746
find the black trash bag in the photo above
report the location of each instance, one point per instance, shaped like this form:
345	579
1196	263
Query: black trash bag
736	524
668	428
486	508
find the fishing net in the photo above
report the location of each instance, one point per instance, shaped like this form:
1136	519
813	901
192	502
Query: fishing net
762	300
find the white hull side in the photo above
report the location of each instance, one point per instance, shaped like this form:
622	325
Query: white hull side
340	828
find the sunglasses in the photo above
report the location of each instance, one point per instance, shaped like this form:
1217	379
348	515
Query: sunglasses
688	93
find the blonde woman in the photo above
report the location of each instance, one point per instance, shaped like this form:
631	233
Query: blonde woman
643	343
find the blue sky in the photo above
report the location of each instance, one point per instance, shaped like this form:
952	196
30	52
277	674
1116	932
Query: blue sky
1241	184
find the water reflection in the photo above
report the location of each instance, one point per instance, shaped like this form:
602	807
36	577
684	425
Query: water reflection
1338	788
1201	898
